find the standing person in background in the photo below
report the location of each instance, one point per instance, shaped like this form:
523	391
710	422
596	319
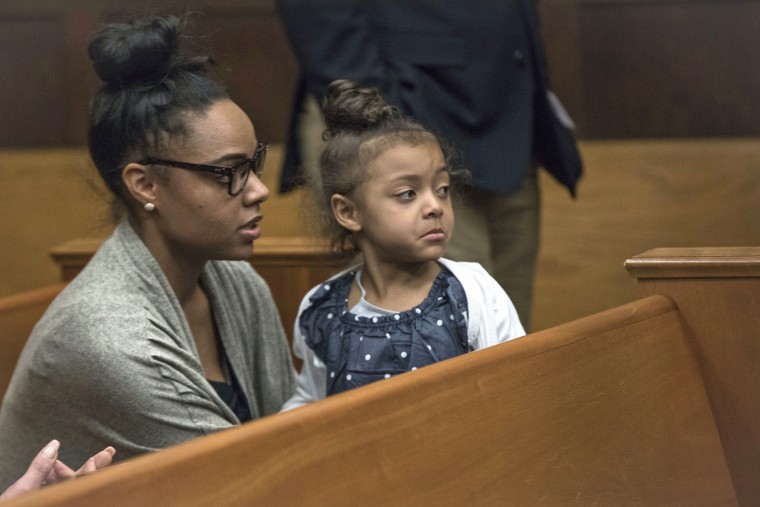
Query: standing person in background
45	469
168	333
473	70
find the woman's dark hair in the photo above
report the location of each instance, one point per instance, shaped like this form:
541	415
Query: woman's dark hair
148	89
360	126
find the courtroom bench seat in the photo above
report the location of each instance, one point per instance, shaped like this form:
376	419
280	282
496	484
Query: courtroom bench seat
607	409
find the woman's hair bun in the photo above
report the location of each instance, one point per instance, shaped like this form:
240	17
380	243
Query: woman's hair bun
137	52
349	107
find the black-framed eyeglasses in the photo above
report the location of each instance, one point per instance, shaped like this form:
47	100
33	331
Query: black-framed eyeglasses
237	175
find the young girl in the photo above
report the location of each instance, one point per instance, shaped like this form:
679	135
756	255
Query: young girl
385	186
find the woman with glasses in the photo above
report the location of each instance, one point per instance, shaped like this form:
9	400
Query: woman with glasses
168	333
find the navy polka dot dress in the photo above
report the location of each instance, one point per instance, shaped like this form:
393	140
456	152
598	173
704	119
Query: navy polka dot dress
358	349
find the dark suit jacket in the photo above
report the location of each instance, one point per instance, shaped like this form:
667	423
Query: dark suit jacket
473	71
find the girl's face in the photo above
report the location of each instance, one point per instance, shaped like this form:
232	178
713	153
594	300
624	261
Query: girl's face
196	215
403	209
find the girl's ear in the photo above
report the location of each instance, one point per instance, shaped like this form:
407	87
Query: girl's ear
139	182
345	212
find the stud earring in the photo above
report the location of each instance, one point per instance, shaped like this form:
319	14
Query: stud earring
149	206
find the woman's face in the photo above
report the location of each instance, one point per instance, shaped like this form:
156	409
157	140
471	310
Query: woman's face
196	217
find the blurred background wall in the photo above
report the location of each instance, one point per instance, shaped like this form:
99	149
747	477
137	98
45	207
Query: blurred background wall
665	93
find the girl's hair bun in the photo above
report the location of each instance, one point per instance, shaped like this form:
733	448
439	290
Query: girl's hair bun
349	107
137	52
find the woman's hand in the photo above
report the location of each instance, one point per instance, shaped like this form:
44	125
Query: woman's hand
61	471
46	469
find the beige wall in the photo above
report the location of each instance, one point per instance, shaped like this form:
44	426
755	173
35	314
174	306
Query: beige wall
635	195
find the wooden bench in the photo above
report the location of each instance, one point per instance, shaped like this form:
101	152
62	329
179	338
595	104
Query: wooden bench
18	315
634	405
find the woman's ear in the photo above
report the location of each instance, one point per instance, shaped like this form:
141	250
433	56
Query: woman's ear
345	212
139	182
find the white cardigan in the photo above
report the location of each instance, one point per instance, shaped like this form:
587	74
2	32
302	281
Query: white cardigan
491	319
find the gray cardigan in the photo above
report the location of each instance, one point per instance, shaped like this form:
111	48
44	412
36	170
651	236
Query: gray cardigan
113	362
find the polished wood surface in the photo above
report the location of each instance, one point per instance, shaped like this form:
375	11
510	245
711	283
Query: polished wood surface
605	410
728	262
18	315
718	293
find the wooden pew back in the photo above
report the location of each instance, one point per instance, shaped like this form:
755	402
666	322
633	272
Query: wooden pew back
607	409
18	315
718	292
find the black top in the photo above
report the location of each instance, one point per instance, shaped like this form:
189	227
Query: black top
233	396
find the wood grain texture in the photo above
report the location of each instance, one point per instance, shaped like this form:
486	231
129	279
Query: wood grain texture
655	68
626	69
609	409
728	262
721	315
